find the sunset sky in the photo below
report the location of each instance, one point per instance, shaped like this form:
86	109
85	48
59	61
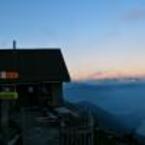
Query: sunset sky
99	38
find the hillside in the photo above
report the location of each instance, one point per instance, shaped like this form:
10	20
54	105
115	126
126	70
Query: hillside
120	99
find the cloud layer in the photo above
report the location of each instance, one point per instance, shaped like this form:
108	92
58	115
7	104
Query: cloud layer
134	15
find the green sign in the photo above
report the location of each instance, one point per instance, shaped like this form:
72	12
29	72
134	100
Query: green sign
8	95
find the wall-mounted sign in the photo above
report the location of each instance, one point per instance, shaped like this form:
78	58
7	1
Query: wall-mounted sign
9	75
8	95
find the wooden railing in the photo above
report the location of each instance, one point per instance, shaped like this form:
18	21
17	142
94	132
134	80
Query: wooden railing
76	135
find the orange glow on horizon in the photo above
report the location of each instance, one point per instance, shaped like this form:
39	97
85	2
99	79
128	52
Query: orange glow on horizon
108	74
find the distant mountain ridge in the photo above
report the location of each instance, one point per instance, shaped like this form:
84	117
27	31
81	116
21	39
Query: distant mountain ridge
106	74
111	81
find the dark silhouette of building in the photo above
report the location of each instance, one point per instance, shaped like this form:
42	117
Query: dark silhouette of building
37	75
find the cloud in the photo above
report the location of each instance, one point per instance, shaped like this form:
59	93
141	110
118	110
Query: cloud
106	74
134	15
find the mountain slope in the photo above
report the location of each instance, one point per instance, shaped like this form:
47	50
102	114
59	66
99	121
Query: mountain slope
103	118
125	100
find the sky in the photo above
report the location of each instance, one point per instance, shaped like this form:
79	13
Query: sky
98	38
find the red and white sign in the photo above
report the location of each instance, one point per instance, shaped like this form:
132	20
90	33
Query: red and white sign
9	75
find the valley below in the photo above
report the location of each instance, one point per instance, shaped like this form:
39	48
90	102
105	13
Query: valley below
119	106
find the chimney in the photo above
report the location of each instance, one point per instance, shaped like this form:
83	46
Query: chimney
14	44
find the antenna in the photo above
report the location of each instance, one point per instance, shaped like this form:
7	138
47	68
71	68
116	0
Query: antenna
14	44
